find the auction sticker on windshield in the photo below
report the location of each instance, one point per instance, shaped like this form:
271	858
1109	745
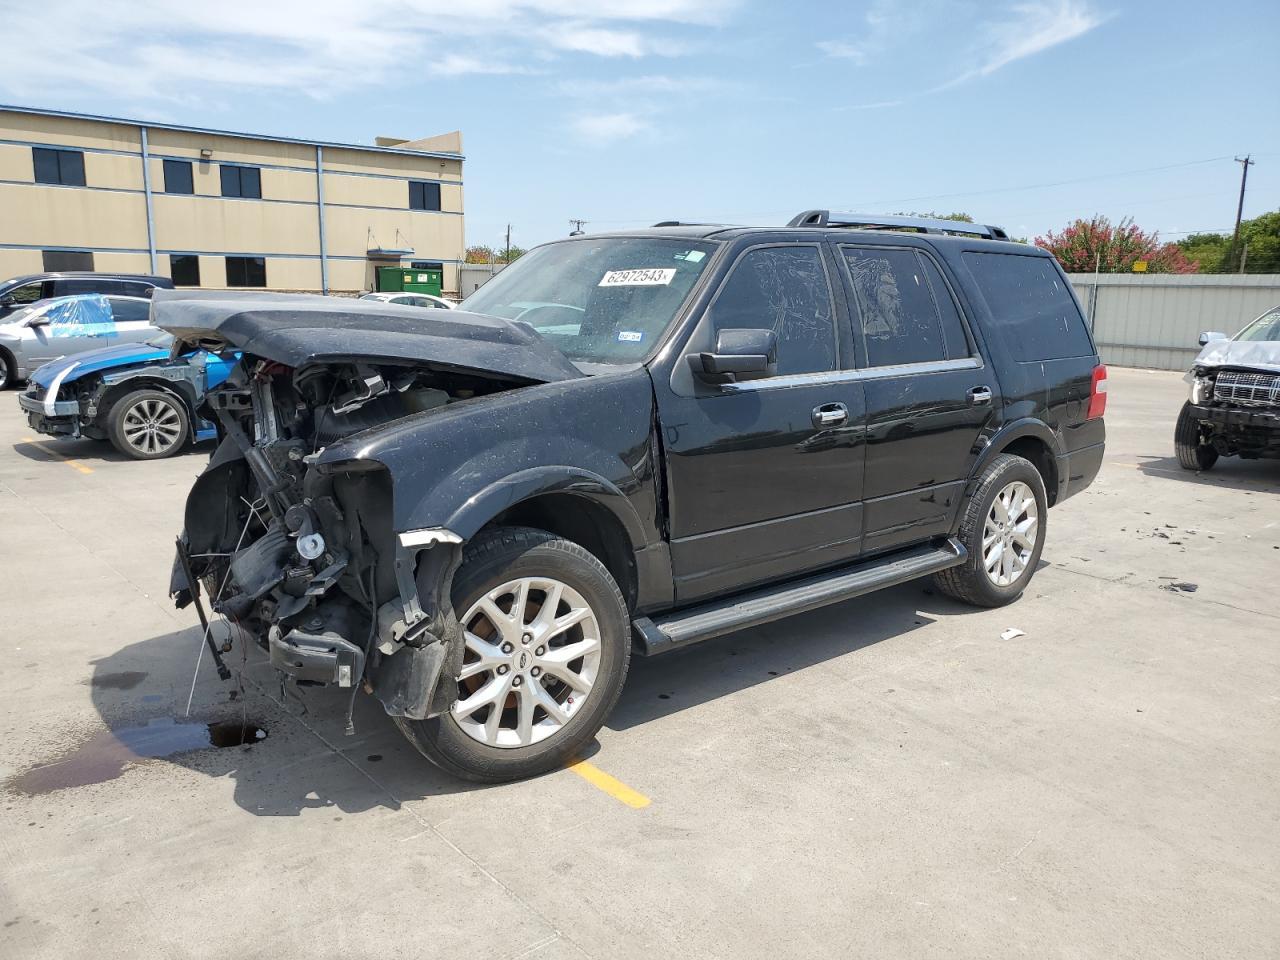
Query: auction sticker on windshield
655	277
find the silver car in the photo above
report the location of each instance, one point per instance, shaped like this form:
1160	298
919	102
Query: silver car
50	329
411	299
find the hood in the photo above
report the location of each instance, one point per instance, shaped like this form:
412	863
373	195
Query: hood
95	361
300	329
1256	354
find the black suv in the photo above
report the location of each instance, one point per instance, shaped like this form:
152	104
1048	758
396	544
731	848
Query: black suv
24	291
628	442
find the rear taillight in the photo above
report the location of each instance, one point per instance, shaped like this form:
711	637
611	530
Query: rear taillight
1098	393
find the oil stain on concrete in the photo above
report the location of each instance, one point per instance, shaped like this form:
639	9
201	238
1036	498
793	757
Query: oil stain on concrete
106	755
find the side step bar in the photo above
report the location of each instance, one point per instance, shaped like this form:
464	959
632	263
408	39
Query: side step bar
684	627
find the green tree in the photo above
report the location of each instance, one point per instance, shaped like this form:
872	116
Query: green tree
1259	247
479	253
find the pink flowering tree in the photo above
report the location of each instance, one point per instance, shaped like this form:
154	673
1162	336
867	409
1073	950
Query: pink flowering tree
1113	248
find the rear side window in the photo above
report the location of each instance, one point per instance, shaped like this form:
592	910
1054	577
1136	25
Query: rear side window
906	311
1031	306
76	285
124	310
783	289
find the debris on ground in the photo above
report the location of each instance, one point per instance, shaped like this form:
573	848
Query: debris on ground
1013	633
1180	586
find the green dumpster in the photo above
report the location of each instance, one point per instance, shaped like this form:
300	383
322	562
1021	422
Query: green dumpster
428	279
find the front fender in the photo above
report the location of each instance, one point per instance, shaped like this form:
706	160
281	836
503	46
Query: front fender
490	501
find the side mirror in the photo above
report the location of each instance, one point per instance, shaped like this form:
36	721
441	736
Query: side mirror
8	300
1211	335
40	321
747	354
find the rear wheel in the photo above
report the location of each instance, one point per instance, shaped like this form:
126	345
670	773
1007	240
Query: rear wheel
1192	453
1003	529
546	653
8	375
148	425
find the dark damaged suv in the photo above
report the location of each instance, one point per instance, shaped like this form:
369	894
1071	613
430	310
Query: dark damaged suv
628	442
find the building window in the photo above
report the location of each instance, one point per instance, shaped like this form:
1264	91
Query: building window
243	182
424	196
57	261
177	177
184	268
246	272
65	167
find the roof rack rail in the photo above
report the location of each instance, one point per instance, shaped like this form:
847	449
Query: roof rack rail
685	223
876	221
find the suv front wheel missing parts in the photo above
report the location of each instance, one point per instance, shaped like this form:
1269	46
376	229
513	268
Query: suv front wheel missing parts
545	656
1003	530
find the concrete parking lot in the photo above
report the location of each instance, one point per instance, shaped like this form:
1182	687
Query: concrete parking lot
890	777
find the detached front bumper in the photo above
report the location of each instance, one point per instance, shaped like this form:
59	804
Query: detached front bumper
58	419
1262	418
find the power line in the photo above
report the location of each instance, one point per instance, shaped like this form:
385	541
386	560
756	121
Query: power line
950	196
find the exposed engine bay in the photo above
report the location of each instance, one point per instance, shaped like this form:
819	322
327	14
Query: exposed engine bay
301	556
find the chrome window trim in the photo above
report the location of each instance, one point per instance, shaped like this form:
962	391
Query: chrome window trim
860	374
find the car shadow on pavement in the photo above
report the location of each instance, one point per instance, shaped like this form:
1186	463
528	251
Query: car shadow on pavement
1230	472
305	760
45	449
726	665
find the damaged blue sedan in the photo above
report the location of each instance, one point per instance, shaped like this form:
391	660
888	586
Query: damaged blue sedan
136	395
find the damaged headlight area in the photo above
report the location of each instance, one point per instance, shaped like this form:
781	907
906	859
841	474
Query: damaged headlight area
302	556
1201	385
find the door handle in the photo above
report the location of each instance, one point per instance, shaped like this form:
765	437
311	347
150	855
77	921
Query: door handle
830	415
979	396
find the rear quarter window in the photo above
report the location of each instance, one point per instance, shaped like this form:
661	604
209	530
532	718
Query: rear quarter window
1031	306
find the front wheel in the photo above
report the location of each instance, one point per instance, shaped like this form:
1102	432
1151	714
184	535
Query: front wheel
546	650
148	425
1003	529
1192	453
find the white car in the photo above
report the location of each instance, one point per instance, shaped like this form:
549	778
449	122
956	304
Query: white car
411	300
49	329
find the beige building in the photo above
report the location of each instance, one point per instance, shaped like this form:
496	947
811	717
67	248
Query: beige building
217	209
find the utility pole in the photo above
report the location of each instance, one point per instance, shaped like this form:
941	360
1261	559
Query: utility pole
577	227
1245	162
507	256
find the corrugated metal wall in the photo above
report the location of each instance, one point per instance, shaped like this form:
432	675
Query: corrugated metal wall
1156	321
471	276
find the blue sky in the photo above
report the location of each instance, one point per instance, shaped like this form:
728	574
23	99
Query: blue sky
622	112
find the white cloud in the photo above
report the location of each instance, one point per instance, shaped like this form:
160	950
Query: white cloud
601	129
155	51
1035	27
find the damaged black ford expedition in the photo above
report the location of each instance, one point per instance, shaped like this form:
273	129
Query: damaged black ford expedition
622	443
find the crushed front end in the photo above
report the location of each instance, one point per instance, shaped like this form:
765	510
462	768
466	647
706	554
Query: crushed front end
301	556
1236	410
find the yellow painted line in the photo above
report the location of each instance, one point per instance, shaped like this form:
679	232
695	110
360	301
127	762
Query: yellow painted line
73	464
613	787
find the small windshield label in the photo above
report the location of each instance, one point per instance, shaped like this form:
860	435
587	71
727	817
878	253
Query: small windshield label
630	336
656	277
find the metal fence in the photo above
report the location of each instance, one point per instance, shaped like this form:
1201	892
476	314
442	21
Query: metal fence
1155	321
471	276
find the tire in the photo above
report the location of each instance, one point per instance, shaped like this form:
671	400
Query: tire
468	746
970	581
8	372
1192	454
148	425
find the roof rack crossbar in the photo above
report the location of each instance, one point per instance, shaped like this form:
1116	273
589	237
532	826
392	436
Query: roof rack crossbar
876	221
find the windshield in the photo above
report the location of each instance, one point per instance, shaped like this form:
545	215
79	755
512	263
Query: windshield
1266	327
597	300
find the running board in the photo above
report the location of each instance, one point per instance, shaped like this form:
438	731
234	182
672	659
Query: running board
674	630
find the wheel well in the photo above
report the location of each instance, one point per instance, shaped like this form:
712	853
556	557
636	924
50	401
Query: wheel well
588	524
124	388
7	359
1041	457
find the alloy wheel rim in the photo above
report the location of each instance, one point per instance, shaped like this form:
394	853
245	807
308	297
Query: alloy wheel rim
152	426
1010	533
530	661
